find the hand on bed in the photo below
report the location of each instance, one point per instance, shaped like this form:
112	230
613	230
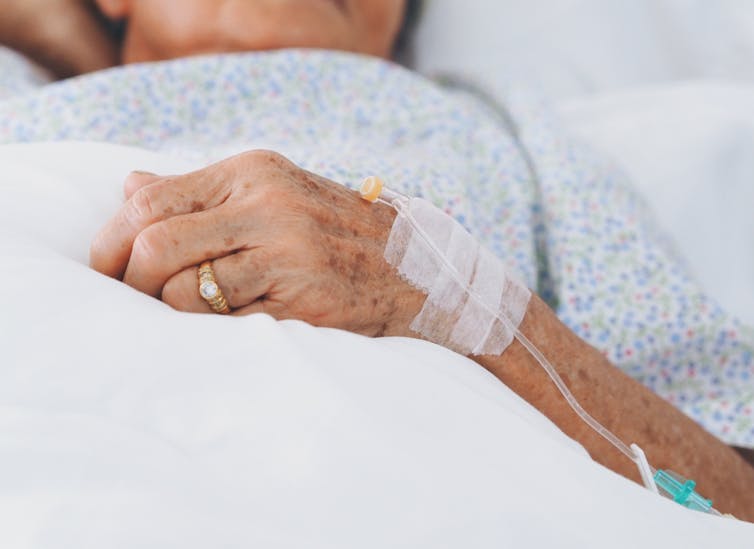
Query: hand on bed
283	241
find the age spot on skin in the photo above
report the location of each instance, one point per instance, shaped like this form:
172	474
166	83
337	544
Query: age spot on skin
336	263
229	241
310	184
337	199
197	206
275	160
381	331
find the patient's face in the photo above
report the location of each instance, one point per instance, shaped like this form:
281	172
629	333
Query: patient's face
165	29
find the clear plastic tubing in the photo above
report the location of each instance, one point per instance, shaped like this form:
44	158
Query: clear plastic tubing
373	190
400	203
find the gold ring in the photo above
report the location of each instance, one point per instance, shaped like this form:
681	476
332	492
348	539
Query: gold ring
210	290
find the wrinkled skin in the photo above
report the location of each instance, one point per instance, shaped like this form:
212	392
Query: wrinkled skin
284	242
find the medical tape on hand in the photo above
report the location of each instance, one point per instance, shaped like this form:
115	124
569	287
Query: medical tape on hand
468	289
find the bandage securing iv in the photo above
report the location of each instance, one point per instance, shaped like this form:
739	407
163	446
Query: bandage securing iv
474	306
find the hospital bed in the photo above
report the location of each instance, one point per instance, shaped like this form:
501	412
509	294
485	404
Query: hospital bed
111	439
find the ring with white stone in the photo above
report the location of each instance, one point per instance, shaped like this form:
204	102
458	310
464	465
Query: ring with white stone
210	290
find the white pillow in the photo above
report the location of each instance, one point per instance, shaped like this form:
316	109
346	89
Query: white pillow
569	48
126	424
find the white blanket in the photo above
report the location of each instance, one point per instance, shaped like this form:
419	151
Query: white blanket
127	424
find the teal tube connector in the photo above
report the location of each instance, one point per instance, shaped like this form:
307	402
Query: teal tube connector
681	491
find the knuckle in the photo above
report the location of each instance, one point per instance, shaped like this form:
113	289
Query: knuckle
140	207
264	157
136	180
168	182
265	162
149	245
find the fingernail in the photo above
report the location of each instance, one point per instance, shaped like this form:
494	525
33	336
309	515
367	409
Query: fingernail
142	172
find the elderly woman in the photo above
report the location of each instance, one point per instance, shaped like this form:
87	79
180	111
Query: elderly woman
284	238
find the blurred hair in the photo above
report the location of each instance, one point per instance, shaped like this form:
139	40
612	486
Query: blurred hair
411	15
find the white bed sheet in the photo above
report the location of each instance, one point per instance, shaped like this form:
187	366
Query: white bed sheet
127	424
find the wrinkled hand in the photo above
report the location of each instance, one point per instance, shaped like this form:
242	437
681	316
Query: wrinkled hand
283	241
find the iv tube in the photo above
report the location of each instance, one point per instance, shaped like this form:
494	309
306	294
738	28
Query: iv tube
373	190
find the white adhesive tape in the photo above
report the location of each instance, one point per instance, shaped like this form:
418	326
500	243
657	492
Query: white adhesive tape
473	304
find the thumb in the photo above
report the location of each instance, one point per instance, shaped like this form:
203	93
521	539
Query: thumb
138	179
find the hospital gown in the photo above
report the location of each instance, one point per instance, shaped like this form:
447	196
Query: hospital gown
555	213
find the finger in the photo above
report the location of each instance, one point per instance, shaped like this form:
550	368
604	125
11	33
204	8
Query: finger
264	305
150	204
243	277
177	243
138	179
